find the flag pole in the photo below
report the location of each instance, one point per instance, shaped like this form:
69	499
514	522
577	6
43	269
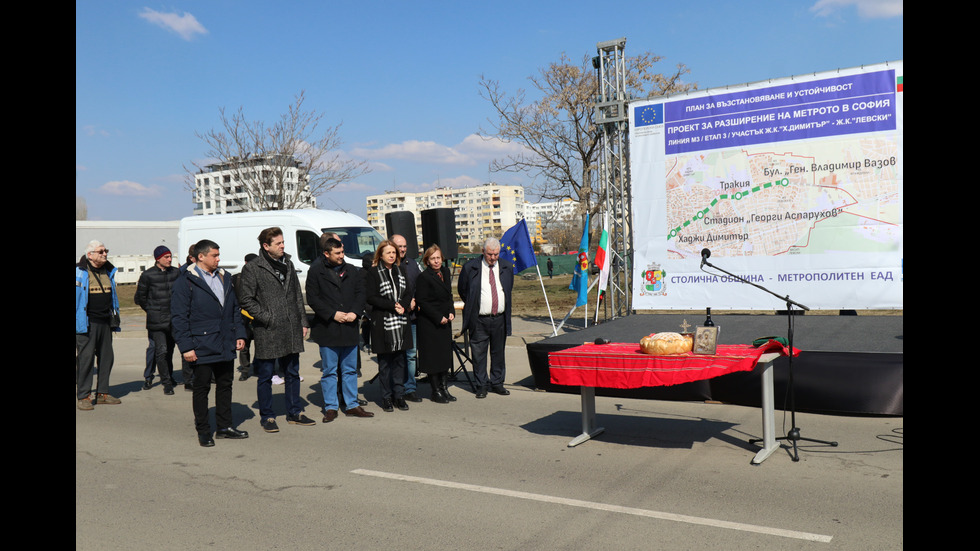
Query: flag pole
545	293
570	312
585	311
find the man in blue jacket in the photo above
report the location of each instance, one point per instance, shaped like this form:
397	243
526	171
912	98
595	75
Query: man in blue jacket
96	308
207	328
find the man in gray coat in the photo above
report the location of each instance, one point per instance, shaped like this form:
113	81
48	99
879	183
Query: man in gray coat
273	299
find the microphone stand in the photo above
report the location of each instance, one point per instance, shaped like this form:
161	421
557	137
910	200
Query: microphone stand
794	433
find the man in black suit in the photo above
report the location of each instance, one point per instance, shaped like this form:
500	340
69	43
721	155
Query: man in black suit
485	285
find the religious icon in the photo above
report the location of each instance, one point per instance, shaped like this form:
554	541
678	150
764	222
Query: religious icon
705	340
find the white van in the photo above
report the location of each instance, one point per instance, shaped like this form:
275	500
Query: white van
238	235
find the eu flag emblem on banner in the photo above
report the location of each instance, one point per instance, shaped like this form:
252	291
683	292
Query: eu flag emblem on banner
515	245
648	114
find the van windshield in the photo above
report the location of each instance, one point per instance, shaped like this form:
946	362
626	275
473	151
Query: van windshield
358	242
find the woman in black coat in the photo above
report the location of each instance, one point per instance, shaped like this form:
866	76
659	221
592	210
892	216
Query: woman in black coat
434	325
389	294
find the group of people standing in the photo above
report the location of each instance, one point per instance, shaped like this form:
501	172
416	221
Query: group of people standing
198	310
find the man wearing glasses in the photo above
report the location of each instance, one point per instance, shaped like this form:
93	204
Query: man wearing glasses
96	317
412	272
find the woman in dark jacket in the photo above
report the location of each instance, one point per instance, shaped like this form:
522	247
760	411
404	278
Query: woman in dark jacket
435	313
388	293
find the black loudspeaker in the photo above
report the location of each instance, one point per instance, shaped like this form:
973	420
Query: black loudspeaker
439	227
403	223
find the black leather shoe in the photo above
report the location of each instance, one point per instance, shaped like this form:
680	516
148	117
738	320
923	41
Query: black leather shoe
445	391
413	397
438	397
205	440
358	411
499	389
400	403
481	392
148	383
387	405
234	434
168	390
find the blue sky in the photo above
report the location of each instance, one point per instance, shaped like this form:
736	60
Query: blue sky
401	77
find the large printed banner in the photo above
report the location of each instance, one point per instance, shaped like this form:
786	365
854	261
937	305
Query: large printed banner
793	184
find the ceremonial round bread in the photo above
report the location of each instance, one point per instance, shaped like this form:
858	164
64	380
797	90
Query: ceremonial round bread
662	344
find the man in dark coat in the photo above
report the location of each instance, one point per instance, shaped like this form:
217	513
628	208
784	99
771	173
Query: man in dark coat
271	295
485	285
153	295
206	321
335	292
412	271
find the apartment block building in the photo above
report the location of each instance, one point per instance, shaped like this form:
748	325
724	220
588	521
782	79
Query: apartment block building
231	186
540	216
481	212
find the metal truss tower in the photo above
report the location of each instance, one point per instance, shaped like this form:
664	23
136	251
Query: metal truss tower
613	120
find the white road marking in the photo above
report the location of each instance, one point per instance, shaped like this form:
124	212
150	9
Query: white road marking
602	506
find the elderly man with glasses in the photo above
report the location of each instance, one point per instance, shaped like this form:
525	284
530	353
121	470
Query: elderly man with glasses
96	318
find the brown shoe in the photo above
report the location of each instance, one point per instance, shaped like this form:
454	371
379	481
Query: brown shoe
330	415
85	404
107	399
358	412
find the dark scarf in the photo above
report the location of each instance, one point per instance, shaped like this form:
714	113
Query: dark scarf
278	266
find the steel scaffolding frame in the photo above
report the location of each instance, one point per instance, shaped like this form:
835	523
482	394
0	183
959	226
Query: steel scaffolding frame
612	119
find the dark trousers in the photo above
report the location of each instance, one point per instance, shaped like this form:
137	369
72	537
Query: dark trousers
96	344
187	371
224	373
245	358
264	370
151	357
163	355
489	335
391	374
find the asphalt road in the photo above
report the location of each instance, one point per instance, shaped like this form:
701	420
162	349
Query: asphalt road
476	474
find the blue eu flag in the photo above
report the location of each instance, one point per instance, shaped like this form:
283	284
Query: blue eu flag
515	245
648	114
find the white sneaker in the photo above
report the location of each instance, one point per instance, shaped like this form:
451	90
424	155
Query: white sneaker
277	380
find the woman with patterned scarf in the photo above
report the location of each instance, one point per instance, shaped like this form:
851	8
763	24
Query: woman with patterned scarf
391	335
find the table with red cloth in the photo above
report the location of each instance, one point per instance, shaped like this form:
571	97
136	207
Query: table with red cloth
624	365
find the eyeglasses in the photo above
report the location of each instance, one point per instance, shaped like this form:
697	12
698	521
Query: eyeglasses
101	251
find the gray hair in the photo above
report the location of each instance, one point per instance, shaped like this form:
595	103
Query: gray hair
92	245
491	243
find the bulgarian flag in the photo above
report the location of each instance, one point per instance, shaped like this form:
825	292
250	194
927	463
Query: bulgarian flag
602	255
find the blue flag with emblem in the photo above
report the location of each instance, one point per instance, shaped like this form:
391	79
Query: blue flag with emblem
580	278
515	245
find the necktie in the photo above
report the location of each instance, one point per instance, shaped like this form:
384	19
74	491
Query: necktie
493	293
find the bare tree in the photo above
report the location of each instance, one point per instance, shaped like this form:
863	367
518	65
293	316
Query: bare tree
276	167
558	130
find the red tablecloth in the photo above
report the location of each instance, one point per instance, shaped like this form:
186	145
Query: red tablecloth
621	365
